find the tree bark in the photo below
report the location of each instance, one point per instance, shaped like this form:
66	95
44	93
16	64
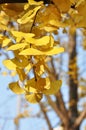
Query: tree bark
73	86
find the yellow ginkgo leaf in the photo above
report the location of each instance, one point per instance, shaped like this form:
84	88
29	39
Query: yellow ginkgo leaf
54	87
43	83
17	46
30	89
22	34
19	62
6	42
32	51
39	42
14	86
62	5
33	98
54	51
30	83
28	67
9	64
21	74
33	2
29	16
49	28
57	23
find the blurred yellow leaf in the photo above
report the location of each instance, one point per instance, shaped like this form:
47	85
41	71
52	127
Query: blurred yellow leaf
33	98
17	46
6	42
62	5
4	73
33	2
39	42
32	51
14	86
22	34
54	87
9	64
21	74
43	83
28	67
20	61
27	17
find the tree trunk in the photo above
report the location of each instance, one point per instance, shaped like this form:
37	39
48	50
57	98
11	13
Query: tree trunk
73	86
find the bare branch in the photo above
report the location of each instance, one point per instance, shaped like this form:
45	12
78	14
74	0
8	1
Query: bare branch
58	111
59	99
46	117
80	118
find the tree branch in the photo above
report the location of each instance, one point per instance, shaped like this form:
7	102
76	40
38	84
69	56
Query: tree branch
73	79
58	111
80	118
59	99
46	117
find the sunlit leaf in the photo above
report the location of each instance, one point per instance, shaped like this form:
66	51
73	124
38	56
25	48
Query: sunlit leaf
17	46
39	42
14	86
22	34
33	98
9	64
21	62
28	67
43	83
29	15
6	42
33	2
54	87
32	51
21	74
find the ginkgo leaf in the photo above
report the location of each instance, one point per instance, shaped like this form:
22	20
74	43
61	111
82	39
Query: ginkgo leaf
54	87
62	5
14	86
9	64
31	83
29	15
49	28
21	62
33	98
57	23
22	34
28	67
6	42
32	51
33	2
39	42
43	83
21	74
17	46
54	51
